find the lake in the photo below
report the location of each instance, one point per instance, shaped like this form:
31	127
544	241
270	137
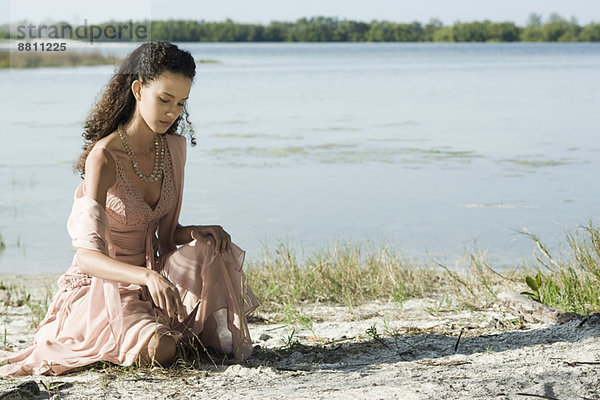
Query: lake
432	148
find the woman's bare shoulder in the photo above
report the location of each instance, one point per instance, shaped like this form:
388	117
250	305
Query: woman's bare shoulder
109	142
100	166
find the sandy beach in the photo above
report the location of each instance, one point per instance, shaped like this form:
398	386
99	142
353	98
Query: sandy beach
418	349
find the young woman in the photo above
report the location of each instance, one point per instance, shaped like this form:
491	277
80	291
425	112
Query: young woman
140	283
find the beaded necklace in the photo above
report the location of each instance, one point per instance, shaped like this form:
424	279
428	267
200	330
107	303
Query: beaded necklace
159	153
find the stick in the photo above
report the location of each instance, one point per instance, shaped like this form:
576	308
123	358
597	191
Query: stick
537	395
577	363
458	340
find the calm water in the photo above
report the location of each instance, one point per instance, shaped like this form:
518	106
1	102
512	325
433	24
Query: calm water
434	148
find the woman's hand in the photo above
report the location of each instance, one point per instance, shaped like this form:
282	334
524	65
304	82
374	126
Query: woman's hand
165	295
221	238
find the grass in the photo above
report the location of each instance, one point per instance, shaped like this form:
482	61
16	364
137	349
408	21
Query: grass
353	274
537	163
207	61
37	59
342	274
569	282
351	153
12	295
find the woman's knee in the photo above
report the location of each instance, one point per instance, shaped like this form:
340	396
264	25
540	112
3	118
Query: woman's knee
209	247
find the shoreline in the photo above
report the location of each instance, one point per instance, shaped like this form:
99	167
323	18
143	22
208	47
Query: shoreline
420	348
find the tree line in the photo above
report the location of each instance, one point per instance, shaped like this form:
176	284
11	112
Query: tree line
326	29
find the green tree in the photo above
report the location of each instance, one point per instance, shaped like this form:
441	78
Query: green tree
276	31
380	32
509	32
408	32
256	33
433	25
350	31
590	33
533	31
174	30
469	32
444	34
500	32
225	32
559	29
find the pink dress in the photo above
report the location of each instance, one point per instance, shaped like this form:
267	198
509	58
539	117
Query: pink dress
91	319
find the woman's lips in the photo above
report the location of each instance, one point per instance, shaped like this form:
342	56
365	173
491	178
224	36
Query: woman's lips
165	123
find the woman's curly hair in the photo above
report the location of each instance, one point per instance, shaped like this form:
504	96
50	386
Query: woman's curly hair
117	103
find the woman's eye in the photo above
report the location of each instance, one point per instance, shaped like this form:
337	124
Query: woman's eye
163	100
182	105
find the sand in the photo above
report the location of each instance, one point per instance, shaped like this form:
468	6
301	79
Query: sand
379	350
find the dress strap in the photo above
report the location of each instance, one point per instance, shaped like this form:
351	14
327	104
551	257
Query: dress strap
108	150
120	168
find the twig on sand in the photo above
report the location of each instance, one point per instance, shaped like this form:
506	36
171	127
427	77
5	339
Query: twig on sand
583	321
458	340
578	363
382	342
539	396
293	369
450	363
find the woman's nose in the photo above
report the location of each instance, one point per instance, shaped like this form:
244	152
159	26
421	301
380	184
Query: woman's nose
172	112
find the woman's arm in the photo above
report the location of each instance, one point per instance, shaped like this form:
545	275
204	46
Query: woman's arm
100	173
101	266
184	234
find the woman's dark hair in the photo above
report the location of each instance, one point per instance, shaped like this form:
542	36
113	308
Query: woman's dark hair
117	103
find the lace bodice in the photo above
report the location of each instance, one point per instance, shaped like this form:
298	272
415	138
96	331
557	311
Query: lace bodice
125	204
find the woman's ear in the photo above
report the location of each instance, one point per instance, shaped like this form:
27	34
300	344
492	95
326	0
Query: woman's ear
136	89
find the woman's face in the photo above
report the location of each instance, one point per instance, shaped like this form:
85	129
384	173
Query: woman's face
160	101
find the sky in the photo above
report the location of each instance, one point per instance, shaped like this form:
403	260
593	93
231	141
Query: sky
265	11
